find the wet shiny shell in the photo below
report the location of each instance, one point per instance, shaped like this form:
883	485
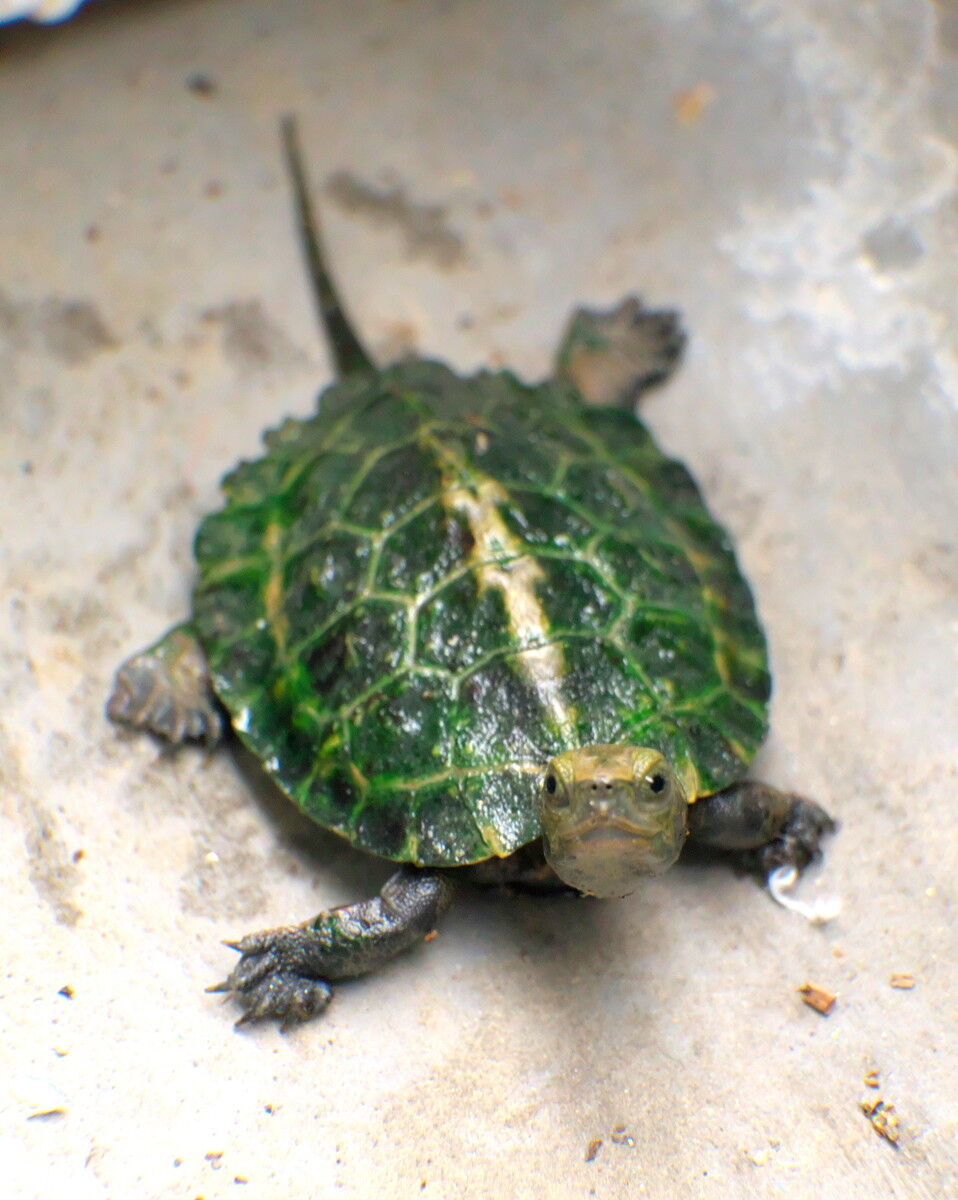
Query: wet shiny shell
418	596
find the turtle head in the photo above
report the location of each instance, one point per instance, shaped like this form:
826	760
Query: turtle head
609	815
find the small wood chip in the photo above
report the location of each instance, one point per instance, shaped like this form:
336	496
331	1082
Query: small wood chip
818	998
883	1118
690	105
902	979
592	1149
872	1080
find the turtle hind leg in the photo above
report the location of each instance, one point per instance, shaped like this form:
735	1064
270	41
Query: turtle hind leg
772	833
612	356
288	973
166	691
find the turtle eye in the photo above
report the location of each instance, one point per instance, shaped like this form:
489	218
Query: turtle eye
657	783
554	791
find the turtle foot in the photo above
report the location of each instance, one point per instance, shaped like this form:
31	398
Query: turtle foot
166	690
613	356
820	911
771	833
267	982
285	973
786	856
799	839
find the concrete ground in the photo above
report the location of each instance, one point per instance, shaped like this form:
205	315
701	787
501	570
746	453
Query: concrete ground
786	173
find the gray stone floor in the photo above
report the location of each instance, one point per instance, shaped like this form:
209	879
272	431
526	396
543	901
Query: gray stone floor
784	172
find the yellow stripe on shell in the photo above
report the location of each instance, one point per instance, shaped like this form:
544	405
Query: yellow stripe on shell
500	562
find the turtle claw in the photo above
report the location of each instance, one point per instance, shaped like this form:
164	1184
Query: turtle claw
799	840
290	998
267	983
785	857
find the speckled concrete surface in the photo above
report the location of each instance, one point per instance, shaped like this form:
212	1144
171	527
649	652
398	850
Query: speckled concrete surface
786	173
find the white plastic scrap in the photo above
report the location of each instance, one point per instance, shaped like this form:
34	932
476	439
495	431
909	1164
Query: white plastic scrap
819	912
38	10
36	1096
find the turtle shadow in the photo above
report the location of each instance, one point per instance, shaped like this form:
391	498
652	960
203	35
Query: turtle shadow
581	956
317	850
568	954
567	944
558	937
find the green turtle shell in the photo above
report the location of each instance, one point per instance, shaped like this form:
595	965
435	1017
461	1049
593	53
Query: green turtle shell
420	595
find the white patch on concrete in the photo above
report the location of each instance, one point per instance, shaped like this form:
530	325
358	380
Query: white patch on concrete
813	282
783	879
38	10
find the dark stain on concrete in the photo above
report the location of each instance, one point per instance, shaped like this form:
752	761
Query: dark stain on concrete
937	563
250	339
70	331
892	245
76	614
52	870
947	17
423	226
13	327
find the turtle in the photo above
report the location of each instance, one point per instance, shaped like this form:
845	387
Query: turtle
481	627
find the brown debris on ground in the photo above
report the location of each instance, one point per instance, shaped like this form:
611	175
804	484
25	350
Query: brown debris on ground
819	998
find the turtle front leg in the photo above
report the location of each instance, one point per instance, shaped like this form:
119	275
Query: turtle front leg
288	972
166	690
614	355
775	833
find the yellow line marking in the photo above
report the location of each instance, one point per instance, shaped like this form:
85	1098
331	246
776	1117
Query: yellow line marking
273	592
500	561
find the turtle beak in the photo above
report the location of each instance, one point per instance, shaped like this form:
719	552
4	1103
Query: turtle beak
616	842
619	814
605	809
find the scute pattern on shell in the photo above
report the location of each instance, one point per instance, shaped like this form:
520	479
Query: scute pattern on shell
366	659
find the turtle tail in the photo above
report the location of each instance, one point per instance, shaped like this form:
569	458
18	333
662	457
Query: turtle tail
348	354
